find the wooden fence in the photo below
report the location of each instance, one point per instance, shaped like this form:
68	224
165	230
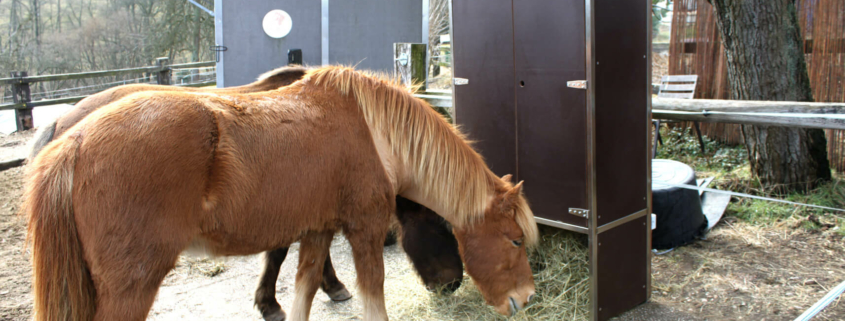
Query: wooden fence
22	97
696	48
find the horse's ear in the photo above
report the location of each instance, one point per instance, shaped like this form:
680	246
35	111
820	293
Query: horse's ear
507	178
512	197
516	190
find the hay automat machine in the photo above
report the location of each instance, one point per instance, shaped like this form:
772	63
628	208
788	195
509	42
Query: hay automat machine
558	94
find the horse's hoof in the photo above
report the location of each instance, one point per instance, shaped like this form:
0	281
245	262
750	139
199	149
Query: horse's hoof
275	316
340	295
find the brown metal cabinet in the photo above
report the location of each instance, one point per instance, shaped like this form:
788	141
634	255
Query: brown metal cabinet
557	93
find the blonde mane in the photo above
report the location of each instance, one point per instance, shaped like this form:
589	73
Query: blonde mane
440	160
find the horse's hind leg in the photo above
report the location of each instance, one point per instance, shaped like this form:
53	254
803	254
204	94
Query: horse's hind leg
331	285
127	284
313	250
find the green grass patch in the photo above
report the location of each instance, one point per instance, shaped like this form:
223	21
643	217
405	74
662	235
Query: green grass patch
682	145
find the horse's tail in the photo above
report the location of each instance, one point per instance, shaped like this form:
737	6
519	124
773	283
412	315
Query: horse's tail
62	285
42	137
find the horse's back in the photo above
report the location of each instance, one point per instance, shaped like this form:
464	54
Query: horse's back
91	103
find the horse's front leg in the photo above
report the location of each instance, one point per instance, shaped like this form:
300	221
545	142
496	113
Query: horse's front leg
367	250
313	250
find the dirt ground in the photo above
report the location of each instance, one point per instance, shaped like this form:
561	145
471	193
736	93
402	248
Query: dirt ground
740	272
744	272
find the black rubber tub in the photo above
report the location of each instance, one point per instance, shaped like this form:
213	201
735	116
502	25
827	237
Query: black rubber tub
680	219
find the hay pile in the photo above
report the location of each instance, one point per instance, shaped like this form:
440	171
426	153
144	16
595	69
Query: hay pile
561	273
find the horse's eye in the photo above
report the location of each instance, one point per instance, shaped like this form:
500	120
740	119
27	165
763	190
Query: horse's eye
517	243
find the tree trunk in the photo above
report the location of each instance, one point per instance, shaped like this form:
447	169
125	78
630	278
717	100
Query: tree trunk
59	15
765	57
197	32
13	22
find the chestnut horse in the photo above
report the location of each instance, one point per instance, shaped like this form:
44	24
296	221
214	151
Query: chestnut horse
439	267
112	203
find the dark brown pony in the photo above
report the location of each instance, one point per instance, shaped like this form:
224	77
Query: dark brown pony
439	267
112	202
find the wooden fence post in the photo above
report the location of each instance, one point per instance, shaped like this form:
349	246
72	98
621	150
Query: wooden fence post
164	71
409	63
21	94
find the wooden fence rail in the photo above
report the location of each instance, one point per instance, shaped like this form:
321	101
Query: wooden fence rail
22	100
771	113
766	113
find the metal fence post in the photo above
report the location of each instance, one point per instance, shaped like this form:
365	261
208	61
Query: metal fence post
21	94
164	71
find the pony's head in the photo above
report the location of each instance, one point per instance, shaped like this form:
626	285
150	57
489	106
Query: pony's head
494	249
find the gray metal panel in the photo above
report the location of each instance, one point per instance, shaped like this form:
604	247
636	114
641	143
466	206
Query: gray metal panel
324	31
251	52
218	39
363	31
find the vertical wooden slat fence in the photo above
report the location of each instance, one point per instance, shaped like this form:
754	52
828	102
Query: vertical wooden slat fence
696	48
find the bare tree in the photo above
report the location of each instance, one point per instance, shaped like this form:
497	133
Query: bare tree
438	24
59	15
36	21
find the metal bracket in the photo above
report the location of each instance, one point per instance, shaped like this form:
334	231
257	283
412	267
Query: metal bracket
577	84
217	50
460	81
579	212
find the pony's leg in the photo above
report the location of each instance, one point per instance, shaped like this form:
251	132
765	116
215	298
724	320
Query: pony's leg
331	285
313	250
367	250
265	295
127	285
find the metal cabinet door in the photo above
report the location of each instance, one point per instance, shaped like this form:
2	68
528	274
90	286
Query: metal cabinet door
549	50
482	51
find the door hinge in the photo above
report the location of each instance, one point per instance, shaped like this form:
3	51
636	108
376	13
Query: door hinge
577	84
579	212
460	81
